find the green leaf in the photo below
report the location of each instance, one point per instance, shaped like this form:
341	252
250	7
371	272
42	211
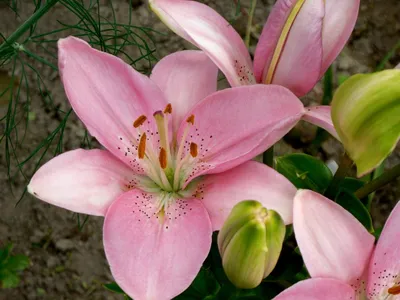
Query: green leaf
353	205
351	185
17	263
113	287
204	286
8	279
5	253
365	113
304	171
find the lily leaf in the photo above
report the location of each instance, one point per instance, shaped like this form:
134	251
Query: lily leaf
353	205
304	171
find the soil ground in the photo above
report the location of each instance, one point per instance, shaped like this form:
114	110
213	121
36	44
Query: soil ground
68	263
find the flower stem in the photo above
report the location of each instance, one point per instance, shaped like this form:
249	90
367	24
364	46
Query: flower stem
379	182
250	23
344	167
28	24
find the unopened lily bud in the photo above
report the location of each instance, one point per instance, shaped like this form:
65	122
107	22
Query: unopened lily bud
301	39
365	113
250	243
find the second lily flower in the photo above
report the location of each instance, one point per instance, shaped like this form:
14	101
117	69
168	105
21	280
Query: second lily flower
300	39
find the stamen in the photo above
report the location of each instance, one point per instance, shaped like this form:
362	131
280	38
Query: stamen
394	290
190	119
193	149
168	109
139	121
162	126
163	158
142	146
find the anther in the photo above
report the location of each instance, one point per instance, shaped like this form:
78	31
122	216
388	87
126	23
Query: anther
394	290
142	146
139	121
190	119
168	109
163	158
193	149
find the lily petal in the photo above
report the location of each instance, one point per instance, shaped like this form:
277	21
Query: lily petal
384	268
155	256
321	116
289	51
317	289
206	29
185	77
84	181
332	242
339	21
107	94
240	131
249	181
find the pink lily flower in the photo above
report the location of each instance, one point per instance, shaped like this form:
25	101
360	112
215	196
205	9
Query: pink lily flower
176	160
299	42
300	39
340	256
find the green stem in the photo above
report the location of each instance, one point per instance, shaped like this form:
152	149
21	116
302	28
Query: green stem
344	167
250	23
379	182
268	157
28	24
328	87
38	58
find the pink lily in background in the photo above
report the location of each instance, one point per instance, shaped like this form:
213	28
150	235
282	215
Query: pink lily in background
340	256
300	40
176	160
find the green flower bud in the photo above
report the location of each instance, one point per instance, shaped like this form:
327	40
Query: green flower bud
365	113
250	243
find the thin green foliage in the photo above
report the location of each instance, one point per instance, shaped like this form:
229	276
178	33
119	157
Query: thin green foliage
16	55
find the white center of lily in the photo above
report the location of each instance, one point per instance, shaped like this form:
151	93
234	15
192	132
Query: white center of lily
165	164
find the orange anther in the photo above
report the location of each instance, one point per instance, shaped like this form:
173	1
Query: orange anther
142	146
139	121
162	158
193	149
190	119
168	109
394	290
